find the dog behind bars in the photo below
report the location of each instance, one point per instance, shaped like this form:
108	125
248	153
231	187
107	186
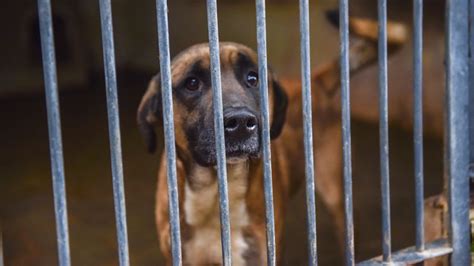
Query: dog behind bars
194	129
196	154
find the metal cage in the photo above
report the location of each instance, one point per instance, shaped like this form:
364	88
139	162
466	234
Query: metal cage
459	113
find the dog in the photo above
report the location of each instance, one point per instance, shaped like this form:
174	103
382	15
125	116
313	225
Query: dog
196	156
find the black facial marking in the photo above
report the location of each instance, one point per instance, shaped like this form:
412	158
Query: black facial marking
183	89
198	70
242	68
201	142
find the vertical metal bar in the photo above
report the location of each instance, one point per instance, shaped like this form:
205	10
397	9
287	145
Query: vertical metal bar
308	130
418	119
267	164
471	88
383	110
114	129
54	128
346	128
457	42
168	127
219	130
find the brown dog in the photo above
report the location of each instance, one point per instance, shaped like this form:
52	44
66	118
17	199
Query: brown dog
193	118
197	181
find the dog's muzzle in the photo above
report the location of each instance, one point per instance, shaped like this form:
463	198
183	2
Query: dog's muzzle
241	132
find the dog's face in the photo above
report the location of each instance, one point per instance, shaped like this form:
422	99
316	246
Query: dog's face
193	111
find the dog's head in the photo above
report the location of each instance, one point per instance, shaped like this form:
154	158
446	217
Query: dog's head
192	104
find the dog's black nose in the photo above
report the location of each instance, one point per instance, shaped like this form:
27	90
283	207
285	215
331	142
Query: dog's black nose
240	123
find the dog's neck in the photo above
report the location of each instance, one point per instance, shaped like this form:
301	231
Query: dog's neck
201	211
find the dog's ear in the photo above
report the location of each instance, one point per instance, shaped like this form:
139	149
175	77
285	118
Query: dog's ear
149	113
280	104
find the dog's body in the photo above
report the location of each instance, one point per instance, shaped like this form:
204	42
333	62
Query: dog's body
197	179
199	209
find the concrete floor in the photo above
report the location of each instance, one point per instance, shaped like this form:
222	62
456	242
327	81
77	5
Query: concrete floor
26	209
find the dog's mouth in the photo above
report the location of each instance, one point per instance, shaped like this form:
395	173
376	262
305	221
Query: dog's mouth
236	152
243	150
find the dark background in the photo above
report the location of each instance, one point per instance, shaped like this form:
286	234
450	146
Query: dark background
26	208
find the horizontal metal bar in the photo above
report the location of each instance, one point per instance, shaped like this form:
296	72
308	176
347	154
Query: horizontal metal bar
346	129
418	119
219	130
457	113
267	163
54	129
168	127
308	131
114	129
383	110
410	255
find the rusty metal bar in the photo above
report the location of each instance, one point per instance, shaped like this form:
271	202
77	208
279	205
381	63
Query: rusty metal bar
418	119
411	255
383	110
457	137
219	130
266	152
308	130
54	129
168	127
114	130
346	129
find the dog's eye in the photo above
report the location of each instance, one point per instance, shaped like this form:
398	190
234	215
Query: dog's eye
192	84
252	79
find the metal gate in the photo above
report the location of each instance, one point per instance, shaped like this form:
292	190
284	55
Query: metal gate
459	115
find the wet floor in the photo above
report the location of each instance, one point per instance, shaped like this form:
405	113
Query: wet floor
26	209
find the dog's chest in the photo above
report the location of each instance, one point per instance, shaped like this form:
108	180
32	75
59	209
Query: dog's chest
201	210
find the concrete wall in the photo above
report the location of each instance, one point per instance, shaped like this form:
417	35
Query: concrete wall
79	50
78	39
